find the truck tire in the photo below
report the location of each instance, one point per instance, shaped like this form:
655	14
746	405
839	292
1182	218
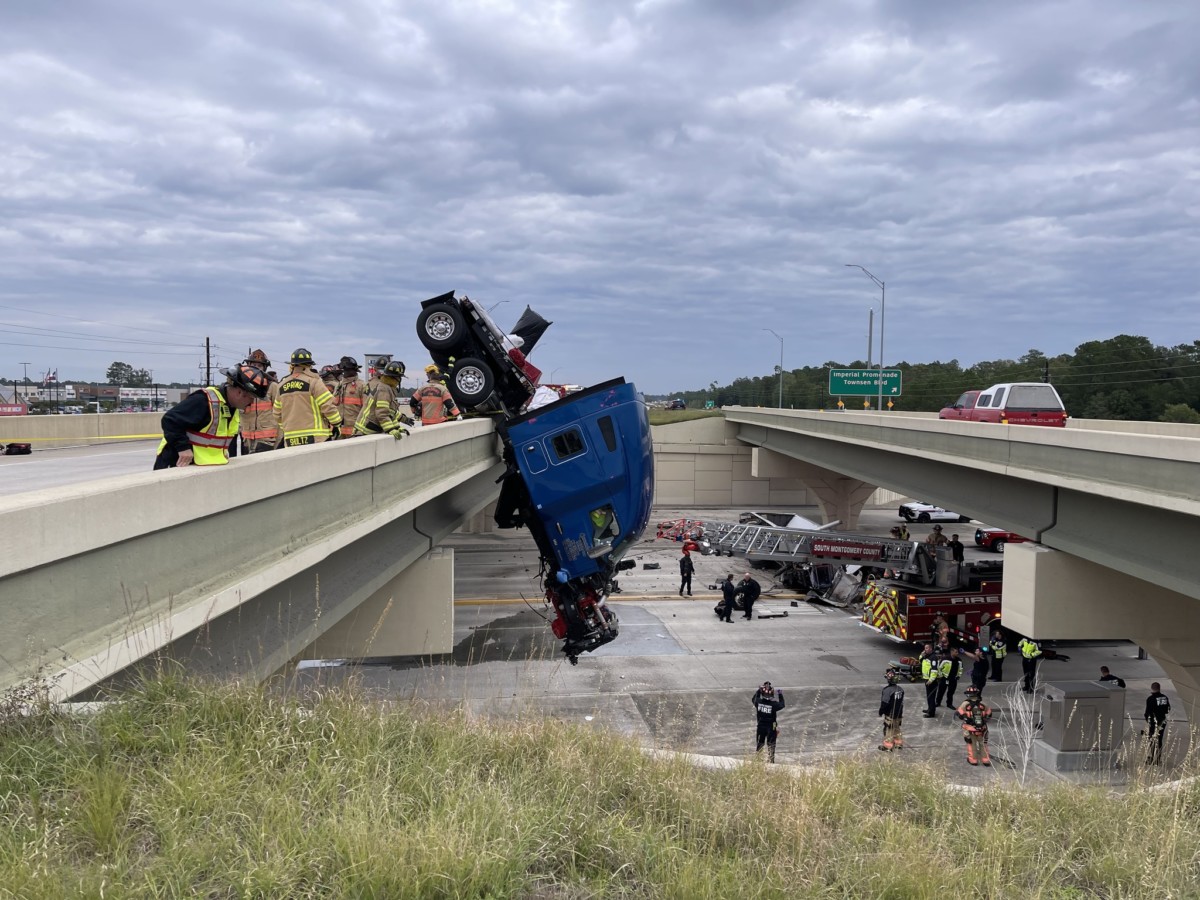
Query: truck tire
441	327
472	383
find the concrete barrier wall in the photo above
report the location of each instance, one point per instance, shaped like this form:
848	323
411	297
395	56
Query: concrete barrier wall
46	432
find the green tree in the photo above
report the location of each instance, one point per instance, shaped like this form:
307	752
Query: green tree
1180	412
119	373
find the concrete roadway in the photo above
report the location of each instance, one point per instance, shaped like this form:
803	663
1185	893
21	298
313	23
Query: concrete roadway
73	465
677	678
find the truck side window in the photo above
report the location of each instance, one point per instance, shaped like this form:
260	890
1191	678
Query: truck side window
984	401
998	400
608	433
567	444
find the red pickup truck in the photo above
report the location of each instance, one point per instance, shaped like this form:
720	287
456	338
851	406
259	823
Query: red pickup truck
1018	403
995	539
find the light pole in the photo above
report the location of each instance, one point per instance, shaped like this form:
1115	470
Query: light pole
882	320
494	305
778	338
26	365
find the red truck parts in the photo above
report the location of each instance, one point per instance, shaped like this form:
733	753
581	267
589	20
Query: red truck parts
1019	403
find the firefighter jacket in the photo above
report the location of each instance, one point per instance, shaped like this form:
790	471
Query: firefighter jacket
380	410
1029	649
304	410
930	671
204	423
1157	707
767	707
891	702
975	715
999	648
258	419
348	397
433	403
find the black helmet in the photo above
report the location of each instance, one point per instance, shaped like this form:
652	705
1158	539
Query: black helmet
394	369
767	688
258	358
301	357
973	690
348	364
330	372
892	675
249	379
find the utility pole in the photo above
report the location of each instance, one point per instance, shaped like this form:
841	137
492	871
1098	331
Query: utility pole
1046	372
207	361
26	365
870	334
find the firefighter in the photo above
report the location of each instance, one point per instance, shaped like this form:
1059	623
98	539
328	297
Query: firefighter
329	375
902	532
257	421
304	410
999	651
935	538
1158	707
891	707
381	409
686	569
749	589
348	395
433	401
767	703
1030	651
930	674
975	714
199	430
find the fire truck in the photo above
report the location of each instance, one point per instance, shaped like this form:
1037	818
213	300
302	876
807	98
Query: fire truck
915	585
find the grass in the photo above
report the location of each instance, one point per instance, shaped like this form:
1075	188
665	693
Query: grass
186	789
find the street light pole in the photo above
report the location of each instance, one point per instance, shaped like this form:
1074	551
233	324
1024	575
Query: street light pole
778	338
26	365
882	320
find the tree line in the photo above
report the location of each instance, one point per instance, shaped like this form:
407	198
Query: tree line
1124	377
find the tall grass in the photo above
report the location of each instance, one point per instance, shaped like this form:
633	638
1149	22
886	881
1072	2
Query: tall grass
185	789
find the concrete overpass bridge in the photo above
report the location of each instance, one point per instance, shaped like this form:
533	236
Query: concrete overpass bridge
332	551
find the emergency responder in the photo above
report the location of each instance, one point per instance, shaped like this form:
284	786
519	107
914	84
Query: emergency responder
749	589
902	533
891	707
953	673
199	430
329	375
304	410
348	395
432	401
999	650
1158	707
767	703
1030	651
381	409
956	547
979	670
728	598
686	569
975	714
1106	675
935	538
930	674
257	421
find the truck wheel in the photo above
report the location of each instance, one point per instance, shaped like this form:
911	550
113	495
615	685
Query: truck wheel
472	383
923	517
998	545
440	326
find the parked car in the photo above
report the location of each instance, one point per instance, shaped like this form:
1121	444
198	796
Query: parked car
1018	403
994	539
17	448
926	512
677	403
485	367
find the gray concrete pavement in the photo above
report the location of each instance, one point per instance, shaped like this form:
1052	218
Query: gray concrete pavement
678	678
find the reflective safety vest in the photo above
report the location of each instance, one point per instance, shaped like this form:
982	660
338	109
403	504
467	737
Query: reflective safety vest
1029	649
999	648
210	445
930	671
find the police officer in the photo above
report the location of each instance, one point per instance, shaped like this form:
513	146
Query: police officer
952	670
200	430
749	590
999	651
931	675
304	410
686	569
767	703
1158	707
891	707
1030	651
728	598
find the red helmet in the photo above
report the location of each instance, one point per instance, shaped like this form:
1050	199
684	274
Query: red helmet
248	378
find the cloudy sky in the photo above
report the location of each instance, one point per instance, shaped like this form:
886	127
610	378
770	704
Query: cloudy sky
663	179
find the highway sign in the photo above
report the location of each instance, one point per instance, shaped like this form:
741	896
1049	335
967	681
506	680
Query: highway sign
864	383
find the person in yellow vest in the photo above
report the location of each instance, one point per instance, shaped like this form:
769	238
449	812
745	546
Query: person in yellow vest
433	401
348	395
1030	651
199	430
304	410
257	426
381	409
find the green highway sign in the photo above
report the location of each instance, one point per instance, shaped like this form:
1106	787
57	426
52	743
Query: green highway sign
864	383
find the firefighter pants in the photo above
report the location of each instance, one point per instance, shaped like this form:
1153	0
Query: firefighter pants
1158	730
892	736
767	733
977	745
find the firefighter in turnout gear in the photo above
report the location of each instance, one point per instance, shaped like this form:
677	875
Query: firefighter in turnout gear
975	714
381	409
348	395
432	401
891	707
257	421
304	410
767	704
199	430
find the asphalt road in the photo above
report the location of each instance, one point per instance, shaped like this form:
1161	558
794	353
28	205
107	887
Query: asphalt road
73	465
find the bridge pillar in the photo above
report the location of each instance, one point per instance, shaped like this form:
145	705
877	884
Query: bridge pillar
841	498
411	615
1049	594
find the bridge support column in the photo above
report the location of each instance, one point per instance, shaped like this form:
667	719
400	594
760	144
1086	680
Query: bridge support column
841	497
1049	594
411	615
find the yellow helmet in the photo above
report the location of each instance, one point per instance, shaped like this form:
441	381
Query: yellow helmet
432	369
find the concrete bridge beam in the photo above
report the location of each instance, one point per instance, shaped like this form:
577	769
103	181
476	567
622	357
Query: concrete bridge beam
841	497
